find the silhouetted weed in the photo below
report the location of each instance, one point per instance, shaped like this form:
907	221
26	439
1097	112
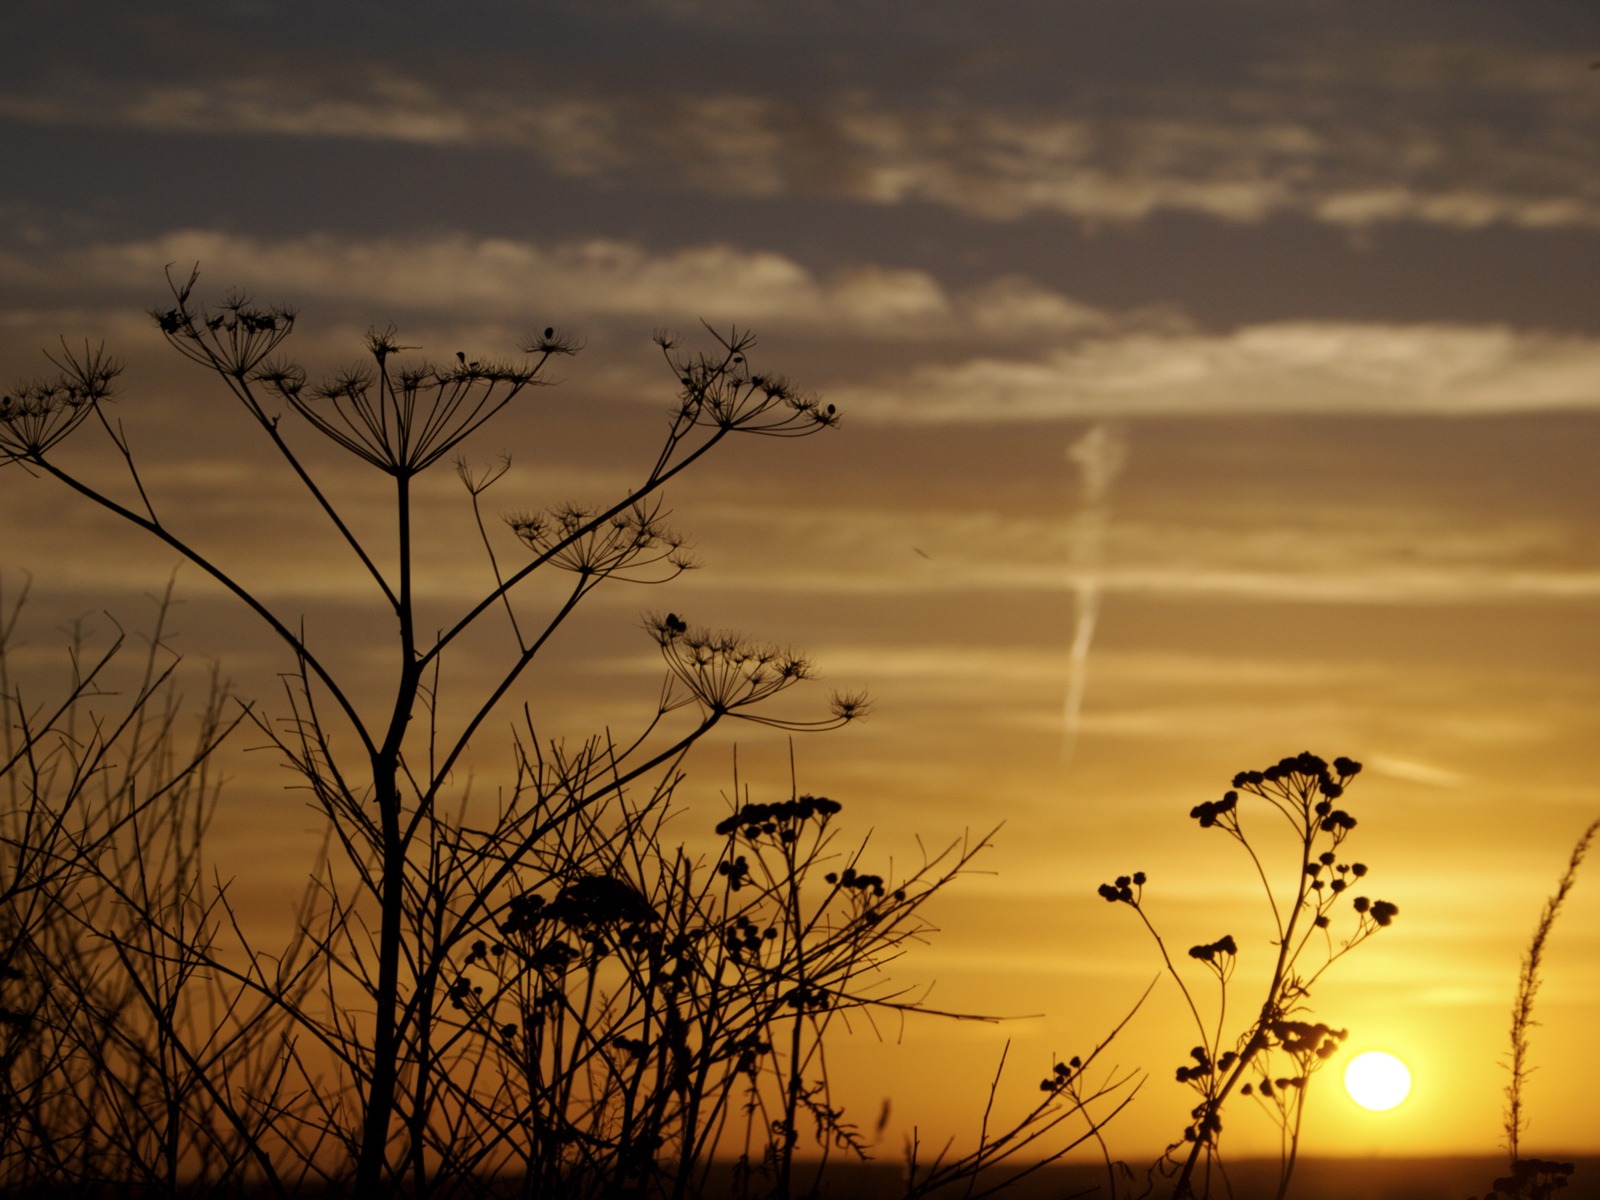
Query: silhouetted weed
547	987
1272	1058
1534	1178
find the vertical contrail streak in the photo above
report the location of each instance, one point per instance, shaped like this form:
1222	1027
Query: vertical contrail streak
1098	455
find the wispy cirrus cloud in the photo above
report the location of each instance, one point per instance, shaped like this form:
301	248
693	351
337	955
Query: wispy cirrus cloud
1348	555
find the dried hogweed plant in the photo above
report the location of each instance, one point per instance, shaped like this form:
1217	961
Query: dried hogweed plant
413	865
542	987
1274	1056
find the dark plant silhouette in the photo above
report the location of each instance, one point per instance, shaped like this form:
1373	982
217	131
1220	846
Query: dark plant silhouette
1534	1178
1069	1097
645	1007
546	989
115	1039
1274	1055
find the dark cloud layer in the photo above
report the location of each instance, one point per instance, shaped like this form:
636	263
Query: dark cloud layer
1356	116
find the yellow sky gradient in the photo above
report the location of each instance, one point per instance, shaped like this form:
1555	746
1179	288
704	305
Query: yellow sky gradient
1352	367
1453	654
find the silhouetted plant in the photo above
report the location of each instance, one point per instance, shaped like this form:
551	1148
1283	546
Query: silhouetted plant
1273	1057
1002	1159
1534	1178
114	1040
645	1006
551	990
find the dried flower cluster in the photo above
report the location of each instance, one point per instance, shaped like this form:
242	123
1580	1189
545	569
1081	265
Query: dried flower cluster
1303	790
668	1002
624	546
719	390
37	414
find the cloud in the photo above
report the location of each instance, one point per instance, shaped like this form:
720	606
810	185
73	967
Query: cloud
1412	770
904	348
1356	555
454	277
1460	209
1329	137
1004	350
454	273
1433	71
382	106
1340	367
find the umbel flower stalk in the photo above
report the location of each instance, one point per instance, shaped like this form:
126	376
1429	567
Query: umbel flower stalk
381	783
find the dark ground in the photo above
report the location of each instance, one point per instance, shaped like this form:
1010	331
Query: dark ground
1314	1179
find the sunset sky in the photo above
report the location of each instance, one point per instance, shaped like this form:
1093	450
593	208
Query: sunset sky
1220	379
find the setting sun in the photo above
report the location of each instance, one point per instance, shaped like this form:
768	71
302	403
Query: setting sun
1377	1081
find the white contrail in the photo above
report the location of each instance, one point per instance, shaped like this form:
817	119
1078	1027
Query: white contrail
1098	455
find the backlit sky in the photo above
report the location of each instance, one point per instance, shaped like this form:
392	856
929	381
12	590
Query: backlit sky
1263	332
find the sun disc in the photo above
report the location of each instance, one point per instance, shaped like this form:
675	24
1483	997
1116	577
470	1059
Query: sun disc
1377	1081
